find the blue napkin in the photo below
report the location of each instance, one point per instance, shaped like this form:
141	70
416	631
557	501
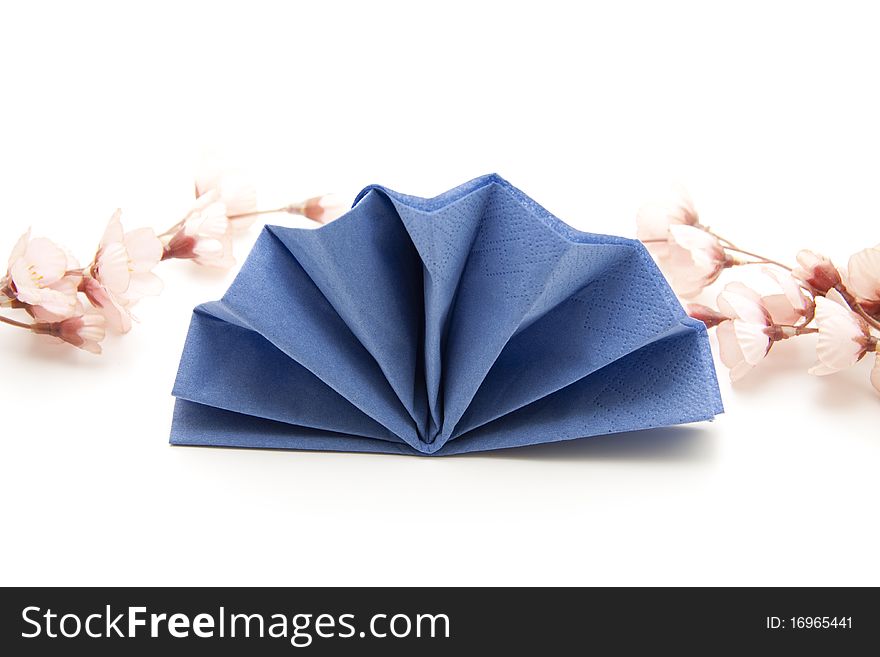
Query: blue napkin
475	320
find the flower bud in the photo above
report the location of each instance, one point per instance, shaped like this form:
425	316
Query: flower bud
322	209
84	331
817	271
705	314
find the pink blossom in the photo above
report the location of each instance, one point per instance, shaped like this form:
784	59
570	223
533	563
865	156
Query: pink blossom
793	305
863	277
844	337
38	275
817	271
83	331
322	209
121	273
204	234
875	373
113	308
234	190
693	259
745	339
69	285
653	220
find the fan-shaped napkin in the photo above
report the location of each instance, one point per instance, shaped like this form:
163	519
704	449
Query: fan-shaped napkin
474	320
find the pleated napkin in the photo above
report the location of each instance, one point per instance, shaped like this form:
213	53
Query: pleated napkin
475	320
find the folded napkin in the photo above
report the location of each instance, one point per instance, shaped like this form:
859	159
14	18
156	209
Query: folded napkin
475	320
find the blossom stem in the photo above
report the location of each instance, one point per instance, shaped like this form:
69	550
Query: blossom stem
870	320
779	332
760	259
286	208
290	209
718	237
856	307
12	322
728	246
298	209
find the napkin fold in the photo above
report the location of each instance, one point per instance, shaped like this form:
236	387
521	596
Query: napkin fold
474	320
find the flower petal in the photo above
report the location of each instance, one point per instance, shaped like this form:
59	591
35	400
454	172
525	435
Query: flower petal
816	271
239	197
835	296
694	239
144	249
46	259
840	334
205	199
113	271
20	247
863	273
211	222
113	233
739	301
753	340
729	350
207	178
37	273
654	219
116	315
780	309
145	284
55	302
791	288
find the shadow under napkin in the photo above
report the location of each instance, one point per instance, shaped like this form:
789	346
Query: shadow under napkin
679	444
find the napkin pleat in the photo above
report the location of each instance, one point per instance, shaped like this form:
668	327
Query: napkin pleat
209	426
374	283
657	385
444	244
518	269
223	356
621	309
279	300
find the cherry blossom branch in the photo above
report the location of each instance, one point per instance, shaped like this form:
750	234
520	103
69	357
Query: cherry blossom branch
77	304
811	298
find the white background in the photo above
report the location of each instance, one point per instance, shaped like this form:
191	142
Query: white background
768	113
